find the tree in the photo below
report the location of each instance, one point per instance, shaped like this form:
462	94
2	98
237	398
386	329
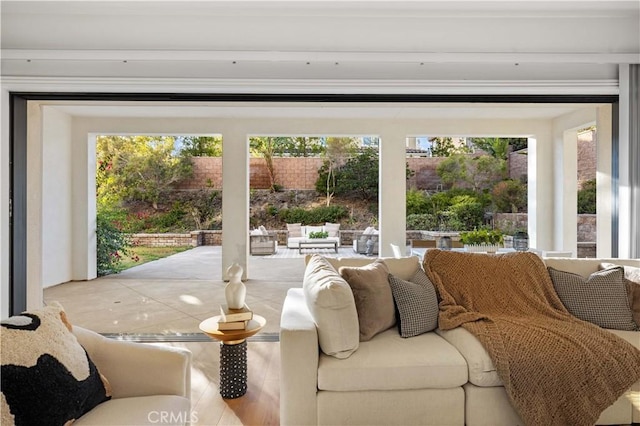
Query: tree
138	168
336	153
510	196
201	146
587	197
301	146
499	147
265	147
445	147
477	172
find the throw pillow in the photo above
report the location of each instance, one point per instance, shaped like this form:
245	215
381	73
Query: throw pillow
332	228
600	299
632	282
331	304
373	298
47	376
294	229
416	303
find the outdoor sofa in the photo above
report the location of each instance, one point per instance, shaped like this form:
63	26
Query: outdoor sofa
434	378
297	232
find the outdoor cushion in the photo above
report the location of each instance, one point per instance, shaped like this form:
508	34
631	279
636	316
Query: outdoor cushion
309	229
391	362
332	306
332	228
294	229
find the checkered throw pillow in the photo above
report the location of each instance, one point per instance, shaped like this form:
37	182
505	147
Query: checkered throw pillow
600	299
416	304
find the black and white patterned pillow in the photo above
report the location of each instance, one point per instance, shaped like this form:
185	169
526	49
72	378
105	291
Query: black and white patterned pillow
416	303
600	299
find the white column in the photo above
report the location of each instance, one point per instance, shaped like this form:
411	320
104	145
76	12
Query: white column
566	187
4	205
392	189
34	206
84	206
541	190
624	176
604	195
235	200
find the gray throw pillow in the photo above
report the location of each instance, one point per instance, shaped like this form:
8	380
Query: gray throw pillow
600	299
416	302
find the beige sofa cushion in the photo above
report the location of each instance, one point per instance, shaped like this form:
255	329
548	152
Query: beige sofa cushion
143	410
482	372
332	306
390	362
404	267
373	298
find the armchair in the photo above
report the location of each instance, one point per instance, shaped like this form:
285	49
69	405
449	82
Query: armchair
147	382
262	242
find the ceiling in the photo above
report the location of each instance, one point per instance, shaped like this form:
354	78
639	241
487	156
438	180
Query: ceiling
398	47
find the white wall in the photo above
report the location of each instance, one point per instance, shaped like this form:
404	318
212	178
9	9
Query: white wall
57	210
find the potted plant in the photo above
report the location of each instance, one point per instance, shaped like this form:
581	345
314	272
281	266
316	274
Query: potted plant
486	240
318	234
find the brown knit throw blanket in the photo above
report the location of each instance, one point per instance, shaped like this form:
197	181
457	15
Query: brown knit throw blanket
556	369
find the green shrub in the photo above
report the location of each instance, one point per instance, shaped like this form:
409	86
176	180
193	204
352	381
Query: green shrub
112	243
509	196
417	202
482	236
468	211
422	221
316	215
587	198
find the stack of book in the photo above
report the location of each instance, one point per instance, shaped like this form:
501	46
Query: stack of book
234	319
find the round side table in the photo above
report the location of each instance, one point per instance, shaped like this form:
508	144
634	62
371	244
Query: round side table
233	353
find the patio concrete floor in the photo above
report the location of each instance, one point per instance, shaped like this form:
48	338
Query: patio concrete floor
173	295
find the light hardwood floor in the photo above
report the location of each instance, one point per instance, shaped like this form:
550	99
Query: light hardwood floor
259	406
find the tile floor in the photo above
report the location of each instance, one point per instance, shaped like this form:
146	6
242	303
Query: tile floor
174	294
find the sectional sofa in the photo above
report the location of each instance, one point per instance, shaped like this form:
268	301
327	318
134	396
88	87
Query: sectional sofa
435	378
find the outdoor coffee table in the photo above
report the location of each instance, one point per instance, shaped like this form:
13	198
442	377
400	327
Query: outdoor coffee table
233	353
318	243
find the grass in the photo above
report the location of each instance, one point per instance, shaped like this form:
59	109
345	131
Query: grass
142	254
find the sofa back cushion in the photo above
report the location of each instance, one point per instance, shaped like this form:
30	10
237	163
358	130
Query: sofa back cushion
585	267
404	267
332	306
